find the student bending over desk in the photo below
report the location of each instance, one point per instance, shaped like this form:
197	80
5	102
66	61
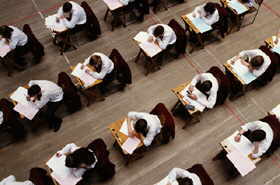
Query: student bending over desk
162	35
11	180
145	124
178	176
208	12
260	134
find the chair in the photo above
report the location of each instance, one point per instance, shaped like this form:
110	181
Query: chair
36	48
71	97
222	24
39	176
167	121
181	40
224	84
199	170
92	24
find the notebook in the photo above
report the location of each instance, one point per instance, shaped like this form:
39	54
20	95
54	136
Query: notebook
27	110
131	144
52	24
199	23
113	4
192	102
87	79
237	6
124	128
150	49
141	37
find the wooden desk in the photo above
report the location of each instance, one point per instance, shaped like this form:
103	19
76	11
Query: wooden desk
229	68
269	42
117	10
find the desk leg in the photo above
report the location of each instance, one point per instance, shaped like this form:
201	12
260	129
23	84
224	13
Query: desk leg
138	56
238	22
106	14
200	40
175	107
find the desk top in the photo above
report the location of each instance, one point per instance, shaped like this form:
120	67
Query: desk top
54	25
113	4
196	24
237	7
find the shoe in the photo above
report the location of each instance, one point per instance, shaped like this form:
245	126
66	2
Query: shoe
57	125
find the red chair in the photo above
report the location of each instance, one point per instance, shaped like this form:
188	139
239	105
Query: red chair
199	170
181	41
40	176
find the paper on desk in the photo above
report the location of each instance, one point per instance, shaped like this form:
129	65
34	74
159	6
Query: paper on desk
87	79
113	4
192	102
142	37
28	111
4	48
69	180
51	24
124	128
20	96
199	23
241	162
237	6
57	164
131	144
242	71
276	49
150	49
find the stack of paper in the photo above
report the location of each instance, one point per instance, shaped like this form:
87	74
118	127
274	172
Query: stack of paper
113	4
80	73
131	144
142	37
150	49
237	6
4	49
192	102
199	23
52	24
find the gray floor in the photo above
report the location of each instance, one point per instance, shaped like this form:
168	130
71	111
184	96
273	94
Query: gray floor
197	144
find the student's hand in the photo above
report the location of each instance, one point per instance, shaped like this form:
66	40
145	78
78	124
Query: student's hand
191	88
58	154
237	138
194	15
276	40
132	134
7	41
62	17
256	149
250	68
82	67
28	98
151	39
192	96
87	71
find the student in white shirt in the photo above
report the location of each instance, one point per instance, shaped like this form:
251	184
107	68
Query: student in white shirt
44	92
208	12
162	35
79	160
208	85
72	15
179	176
261	135
11	180
1	117
145	124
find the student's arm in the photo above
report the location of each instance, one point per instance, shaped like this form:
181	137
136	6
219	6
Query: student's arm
257	152
248	53
8	180
197	12
163	43
249	126
196	79
72	23
13	43
124	2
67	149
59	12
151	133
212	19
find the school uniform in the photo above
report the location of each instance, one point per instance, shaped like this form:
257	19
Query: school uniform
1	117
208	19
11	180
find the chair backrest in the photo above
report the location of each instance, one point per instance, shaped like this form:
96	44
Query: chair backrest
123	72
271	70
167	121
39	176
7	108
259	2
199	170
181	40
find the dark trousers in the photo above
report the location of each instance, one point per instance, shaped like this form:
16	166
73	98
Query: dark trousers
53	120
106	81
16	129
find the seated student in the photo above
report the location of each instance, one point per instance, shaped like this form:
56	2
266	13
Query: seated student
17	40
207	84
162	35
208	12
44	92
178	176
145	124
260	134
11	180
72	15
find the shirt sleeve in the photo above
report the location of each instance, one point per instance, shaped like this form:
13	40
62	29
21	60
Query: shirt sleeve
104	69
13	43
248	53
250	126
78	172
68	148
176	173
124	2
72	23
59	12
8	180
136	115
163	43
197	10
196	79
212	19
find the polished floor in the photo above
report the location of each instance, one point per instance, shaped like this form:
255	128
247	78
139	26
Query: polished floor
197	144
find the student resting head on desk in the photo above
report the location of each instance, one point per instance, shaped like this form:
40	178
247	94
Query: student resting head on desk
256	61
260	134
208	12
145	124
208	85
11	180
72	15
17	40
44	92
162	35
178	176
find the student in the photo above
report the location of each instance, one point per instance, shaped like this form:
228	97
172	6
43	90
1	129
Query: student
208	12
252	4
18	43
178	176
72	15
11	180
208	85
79	160
44	92
162	35
260	134
145	125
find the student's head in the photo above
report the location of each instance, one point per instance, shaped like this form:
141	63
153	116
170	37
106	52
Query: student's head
5	32
205	86
34	92
96	62
67	7
80	158
256	62
209	8
185	181
257	136
141	127
158	31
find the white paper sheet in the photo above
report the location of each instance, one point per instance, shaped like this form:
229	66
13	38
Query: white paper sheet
113	4
124	128
192	102
150	49
69	180
131	144
199	23
4	49
242	71
27	110
141	37
52	24
87	79
237	6
20	96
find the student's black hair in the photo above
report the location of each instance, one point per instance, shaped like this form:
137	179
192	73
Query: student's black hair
96	62
34	90
185	181
210	8
257	135
159	30
6	31
141	127
67	7
257	61
78	157
205	86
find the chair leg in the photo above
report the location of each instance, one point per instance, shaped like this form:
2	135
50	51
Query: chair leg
106	14
138	56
